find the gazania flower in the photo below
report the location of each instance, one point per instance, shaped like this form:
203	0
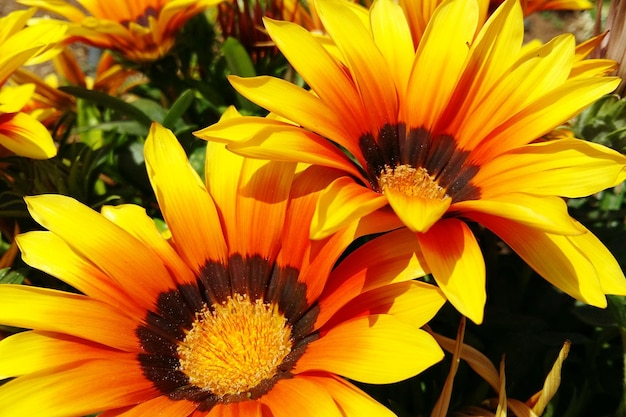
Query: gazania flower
140	30
19	132
443	133
238	313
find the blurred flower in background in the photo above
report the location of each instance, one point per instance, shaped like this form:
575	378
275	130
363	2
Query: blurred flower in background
52	106
140	31
21	133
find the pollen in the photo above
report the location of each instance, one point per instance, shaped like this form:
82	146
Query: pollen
414	182
233	347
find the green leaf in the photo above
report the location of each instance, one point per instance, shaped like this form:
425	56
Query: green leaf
7	276
110	102
151	108
179	108
127	127
239	63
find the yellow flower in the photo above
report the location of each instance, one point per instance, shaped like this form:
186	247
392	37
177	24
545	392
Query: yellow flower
141	30
19	132
238	313
442	132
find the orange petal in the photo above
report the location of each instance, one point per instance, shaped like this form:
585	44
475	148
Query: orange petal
413	302
392	257
261	204
159	406
312	399
187	207
93	386
134	220
351	400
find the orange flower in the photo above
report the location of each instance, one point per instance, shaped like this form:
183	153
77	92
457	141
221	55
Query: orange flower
238	313
140	30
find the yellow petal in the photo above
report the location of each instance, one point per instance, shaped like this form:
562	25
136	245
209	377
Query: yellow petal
264	138
25	136
417	213
393	40
608	270
319	69
14	98
113	250
342	203
295	104
351	400
32	351
378	349
456	262
544	114
541	212
49	253
557	258
564	167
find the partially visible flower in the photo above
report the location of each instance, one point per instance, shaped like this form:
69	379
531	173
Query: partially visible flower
140	30
49	104
238	313
443	132
20	133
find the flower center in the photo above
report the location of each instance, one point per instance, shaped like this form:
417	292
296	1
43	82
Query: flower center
414	182
233	347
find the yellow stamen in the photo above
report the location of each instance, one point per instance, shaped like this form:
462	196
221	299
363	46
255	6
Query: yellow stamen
235	346
414	182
